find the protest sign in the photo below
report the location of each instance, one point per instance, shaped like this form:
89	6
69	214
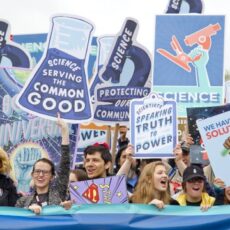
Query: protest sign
108	190
214	131
153	126
11	53
122	73
198	151
189	60
26	137
59	83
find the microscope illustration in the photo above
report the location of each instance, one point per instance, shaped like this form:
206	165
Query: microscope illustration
198	57
11	54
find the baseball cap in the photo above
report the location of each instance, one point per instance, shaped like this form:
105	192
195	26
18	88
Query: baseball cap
193	171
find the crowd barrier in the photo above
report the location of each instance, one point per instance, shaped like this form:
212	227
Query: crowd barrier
114	217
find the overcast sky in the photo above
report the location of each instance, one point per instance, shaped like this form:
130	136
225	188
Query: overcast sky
32	16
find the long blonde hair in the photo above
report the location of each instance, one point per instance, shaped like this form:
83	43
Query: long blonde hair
5	162
145	190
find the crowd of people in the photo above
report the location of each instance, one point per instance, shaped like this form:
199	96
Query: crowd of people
149	181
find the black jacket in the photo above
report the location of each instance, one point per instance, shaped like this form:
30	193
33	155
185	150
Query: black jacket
57	192
8	192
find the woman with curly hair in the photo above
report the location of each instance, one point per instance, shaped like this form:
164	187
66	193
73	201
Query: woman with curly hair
8	192
152	187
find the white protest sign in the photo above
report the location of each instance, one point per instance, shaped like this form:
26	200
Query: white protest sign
214	131
153	127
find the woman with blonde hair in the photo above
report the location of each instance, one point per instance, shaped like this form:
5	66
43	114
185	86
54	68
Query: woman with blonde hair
152	187
8	192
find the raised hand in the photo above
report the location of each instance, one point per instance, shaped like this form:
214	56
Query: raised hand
64	130
177	151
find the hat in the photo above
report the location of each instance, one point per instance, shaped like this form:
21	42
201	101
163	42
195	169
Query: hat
193	171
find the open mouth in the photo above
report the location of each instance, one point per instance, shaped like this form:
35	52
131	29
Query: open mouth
90	170
196	189
164	182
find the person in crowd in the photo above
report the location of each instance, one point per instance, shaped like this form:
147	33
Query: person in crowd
152	186
8	191
178	165
194	193
74	176
129	161
181	162
97	160
77	175
217	183
43	173
208	172
123	139
123	154
223	197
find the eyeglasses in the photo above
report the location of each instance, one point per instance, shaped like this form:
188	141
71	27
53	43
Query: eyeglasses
196	179
40	171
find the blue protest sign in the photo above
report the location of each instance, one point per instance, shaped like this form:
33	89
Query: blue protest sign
59	83
116	217
189	60
11	53
25	137
184	6
123	73
35	44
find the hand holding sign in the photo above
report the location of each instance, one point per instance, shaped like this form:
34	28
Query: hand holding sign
226	146
227	143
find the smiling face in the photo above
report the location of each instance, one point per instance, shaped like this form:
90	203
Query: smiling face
95	166
160	178
42	176
194	189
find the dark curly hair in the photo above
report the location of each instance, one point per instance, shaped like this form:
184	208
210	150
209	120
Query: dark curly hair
105	153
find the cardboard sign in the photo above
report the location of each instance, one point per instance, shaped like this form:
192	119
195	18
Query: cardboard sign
108	190
189	60
123	73
35	44
198	152
11	53
59	83
184	6
26	137
214	131
153	127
